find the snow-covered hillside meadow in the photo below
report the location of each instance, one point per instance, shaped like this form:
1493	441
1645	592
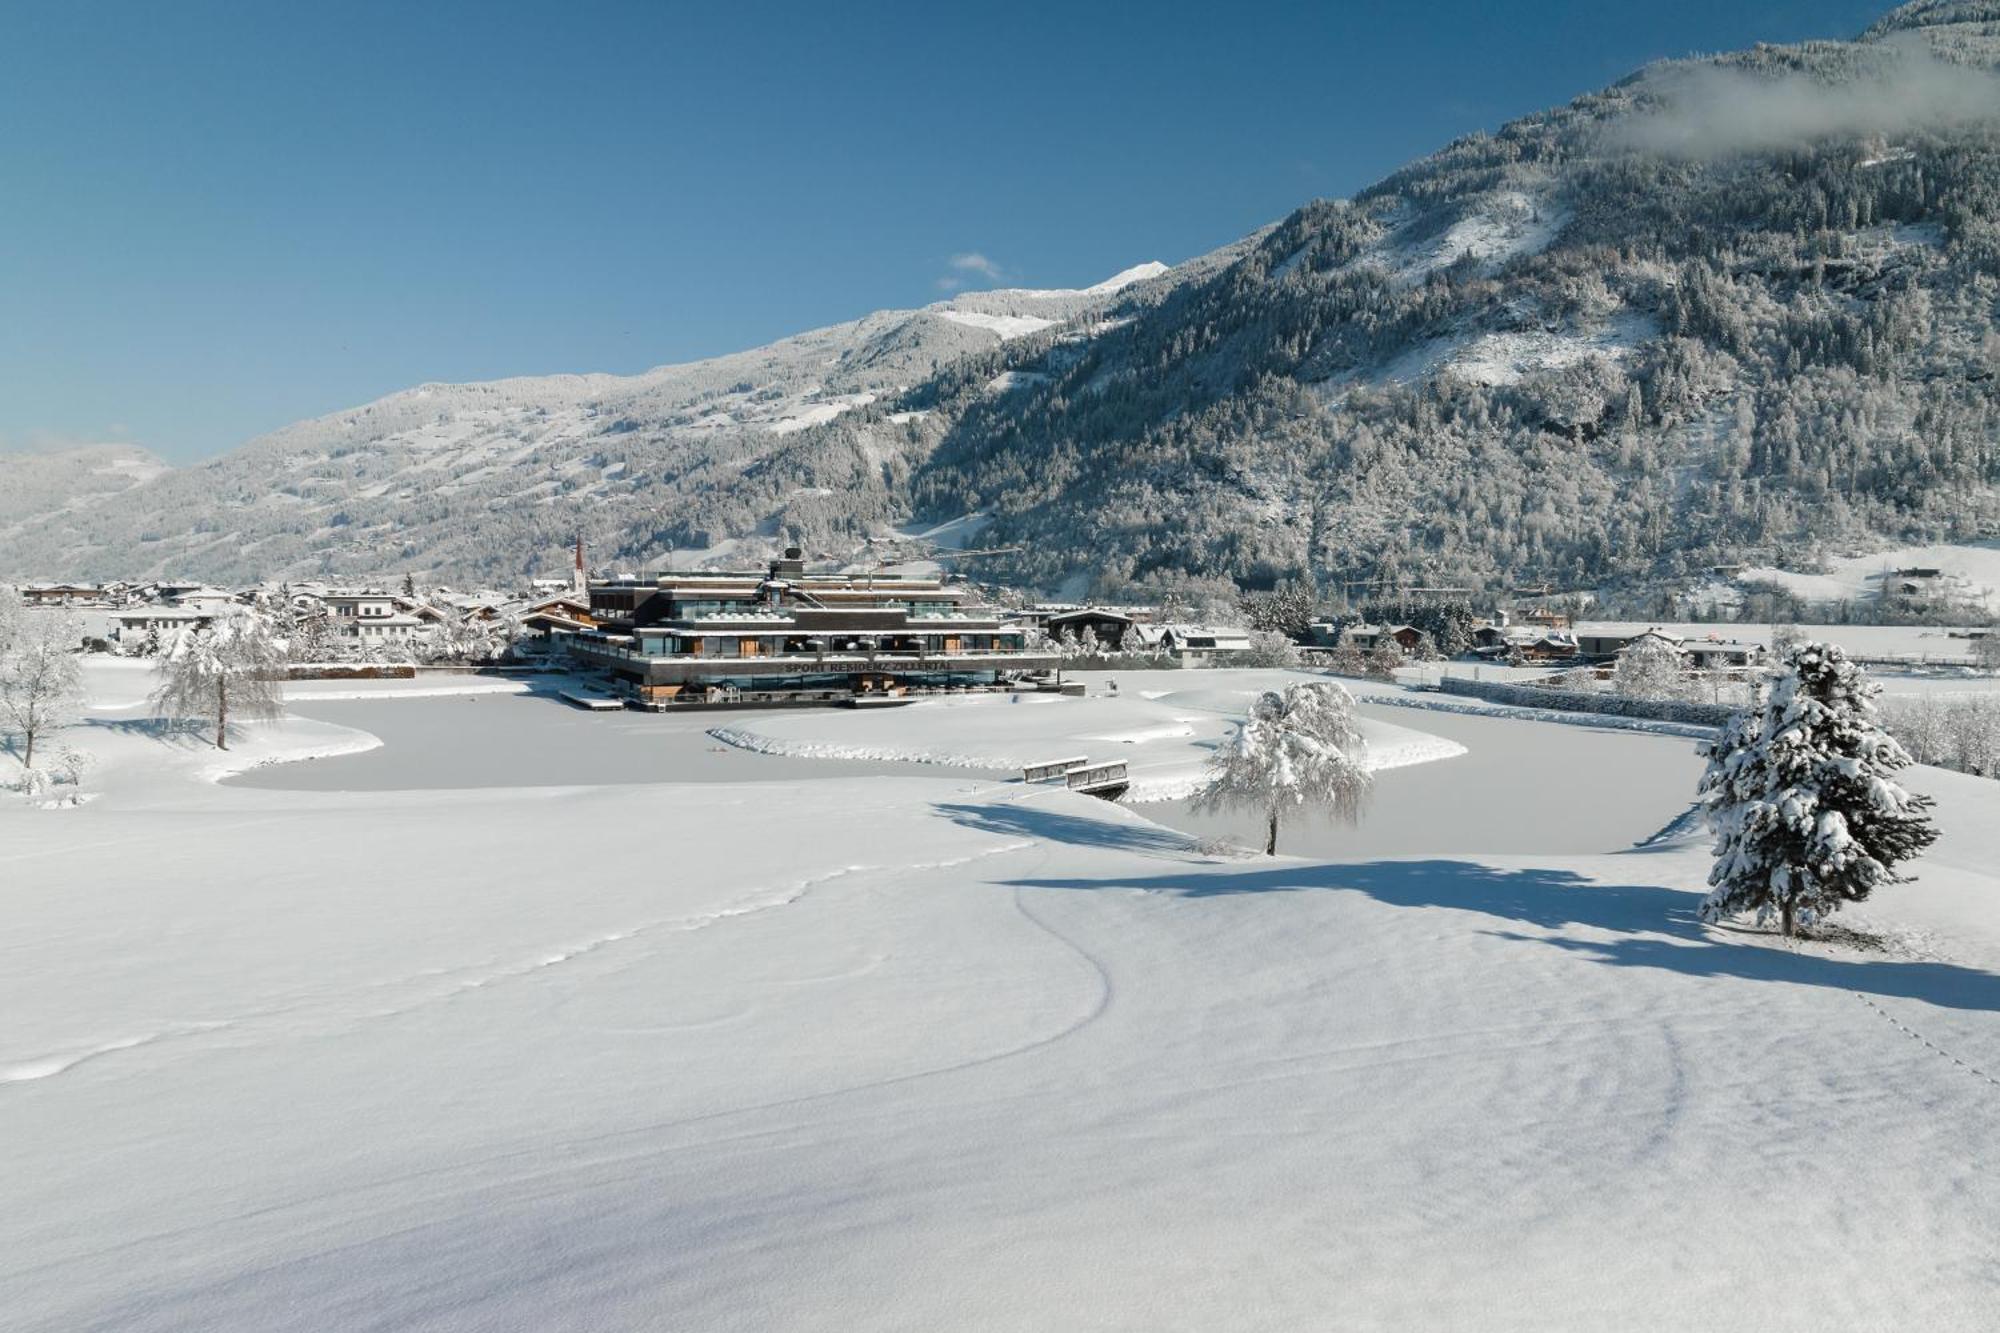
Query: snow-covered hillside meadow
926	1048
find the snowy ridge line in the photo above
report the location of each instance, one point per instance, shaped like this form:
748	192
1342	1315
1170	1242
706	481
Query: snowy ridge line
1604	720
48	1066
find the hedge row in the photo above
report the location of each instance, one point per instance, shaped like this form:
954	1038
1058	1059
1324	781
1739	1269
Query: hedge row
1581	701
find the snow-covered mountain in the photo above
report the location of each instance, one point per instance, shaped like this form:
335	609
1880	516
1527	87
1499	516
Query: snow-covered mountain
37	486
489	478
1735	310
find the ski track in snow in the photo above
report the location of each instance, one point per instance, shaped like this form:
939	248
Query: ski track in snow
611	1161
480	978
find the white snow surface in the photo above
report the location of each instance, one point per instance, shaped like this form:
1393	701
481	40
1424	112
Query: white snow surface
1124	278
1915	642
1007	326
1163	737
1509	223
916	1053
1858	578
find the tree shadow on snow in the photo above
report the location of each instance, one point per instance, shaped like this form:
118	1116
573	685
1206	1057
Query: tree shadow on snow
1054	826
179	731
1627	925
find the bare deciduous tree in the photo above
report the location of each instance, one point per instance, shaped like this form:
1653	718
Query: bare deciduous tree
41	682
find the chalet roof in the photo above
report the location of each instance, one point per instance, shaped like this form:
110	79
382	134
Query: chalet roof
1091	613
1222	637
161	613
554	620
1671	640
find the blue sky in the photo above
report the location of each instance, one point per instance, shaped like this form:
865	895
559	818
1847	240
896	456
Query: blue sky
219	218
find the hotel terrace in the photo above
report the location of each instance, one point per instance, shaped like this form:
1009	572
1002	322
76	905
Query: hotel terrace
790	637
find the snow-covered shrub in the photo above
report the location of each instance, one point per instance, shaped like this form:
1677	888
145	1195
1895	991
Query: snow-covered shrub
72	765
1801	794
1268	648
1297	749
1590	701
1650	668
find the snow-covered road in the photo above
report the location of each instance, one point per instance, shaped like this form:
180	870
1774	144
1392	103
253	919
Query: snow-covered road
940	1052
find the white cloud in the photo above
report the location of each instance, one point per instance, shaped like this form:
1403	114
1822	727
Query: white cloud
1707	111
968	268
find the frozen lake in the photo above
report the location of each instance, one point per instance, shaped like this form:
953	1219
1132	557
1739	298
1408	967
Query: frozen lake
1522	786
531	740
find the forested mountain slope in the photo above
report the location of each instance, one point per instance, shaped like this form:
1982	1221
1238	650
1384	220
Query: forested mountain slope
1730	308
1742	308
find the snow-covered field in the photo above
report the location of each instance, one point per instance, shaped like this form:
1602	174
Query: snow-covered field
1974	570
1916	642
942	1051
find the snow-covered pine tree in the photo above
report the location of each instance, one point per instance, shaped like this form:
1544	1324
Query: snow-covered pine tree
1298	749
1986	649
231	668
41	683
1801	794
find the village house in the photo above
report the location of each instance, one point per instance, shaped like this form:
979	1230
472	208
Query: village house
1093	626
131	627
211	601
1715	654
371	618
1602	643
1644	636
543	623
787	635
1547	648
1525	642
66	594
1361	637
1194	645
1366	638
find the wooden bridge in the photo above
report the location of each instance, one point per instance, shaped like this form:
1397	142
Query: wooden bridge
1108	781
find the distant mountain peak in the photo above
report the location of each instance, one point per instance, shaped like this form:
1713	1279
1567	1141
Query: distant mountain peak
1124	278
1934	14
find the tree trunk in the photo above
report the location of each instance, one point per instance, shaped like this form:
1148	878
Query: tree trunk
28	755
222	715
1788	913
1271	833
